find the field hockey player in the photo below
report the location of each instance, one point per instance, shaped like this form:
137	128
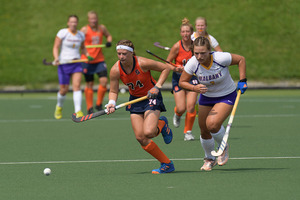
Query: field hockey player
145	116
94	33
217	94
184	100
67	44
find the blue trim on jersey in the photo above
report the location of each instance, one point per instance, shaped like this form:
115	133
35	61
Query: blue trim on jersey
219	64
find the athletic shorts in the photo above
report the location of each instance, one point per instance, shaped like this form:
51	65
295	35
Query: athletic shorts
65	71
96	68
148	104
211	101
175	81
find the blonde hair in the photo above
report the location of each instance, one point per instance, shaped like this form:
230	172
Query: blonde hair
201	41
186	22
92	12
126	43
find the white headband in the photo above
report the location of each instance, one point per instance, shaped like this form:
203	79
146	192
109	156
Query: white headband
124	47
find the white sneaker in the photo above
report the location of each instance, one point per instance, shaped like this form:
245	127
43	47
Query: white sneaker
208	164
223	158
188	136
176	120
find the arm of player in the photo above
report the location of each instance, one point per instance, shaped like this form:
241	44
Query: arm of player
56	46
107	35
172	56
114	89
184	82
241	62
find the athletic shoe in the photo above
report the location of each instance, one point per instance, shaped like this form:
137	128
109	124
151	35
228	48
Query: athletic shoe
164	168
90	111
208	164
79	114
99	107
176	120
166	131
58	112
223	158
188	136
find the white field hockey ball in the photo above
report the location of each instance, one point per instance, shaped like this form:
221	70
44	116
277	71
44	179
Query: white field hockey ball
47	171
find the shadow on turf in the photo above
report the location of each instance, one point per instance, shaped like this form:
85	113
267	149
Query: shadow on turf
247	169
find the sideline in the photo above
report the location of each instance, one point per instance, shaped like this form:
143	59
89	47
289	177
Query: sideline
137	160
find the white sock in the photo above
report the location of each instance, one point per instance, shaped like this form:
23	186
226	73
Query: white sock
219	135
208	146
77	98
60	100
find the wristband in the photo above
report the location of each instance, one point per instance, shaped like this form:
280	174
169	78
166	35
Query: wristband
243	80
113	102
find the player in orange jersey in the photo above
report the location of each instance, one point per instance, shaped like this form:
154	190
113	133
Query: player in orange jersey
145	117
94	35
184	100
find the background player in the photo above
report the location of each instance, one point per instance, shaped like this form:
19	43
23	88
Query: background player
145	116
184	100
66	47
218	94
94	35
201	26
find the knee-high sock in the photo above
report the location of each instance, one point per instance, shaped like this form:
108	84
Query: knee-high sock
60	100
175	111
155	151
208	146
161	124
89	97
77	98
100	94
219	135
189	121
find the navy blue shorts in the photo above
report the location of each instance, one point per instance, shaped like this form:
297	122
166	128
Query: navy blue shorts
148	104
211	101
175	81
96	68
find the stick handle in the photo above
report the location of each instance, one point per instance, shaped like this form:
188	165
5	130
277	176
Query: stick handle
148	51
234	107
131	102
95	46
102	112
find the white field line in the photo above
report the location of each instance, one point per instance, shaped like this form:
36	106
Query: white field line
137	160
127	118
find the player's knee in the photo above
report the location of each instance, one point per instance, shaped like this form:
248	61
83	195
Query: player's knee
213	127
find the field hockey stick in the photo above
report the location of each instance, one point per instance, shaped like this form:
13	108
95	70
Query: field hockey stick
95	46
103	112
65	62
148	51
225	137
157	44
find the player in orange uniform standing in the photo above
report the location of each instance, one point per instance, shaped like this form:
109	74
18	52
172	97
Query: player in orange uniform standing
94	35
145	117
184	100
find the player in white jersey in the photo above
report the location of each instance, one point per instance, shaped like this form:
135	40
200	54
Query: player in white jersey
201	26
217	94
67	44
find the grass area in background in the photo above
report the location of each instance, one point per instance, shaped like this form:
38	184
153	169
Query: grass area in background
100	158
263	32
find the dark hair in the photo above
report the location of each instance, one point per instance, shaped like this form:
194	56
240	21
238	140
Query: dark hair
201	41
70	16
